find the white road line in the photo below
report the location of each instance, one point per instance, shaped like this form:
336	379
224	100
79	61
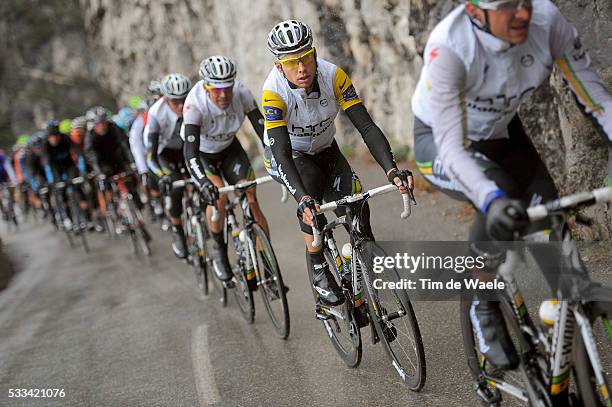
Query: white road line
202	368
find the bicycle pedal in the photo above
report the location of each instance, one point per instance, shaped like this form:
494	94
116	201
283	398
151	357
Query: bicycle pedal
322	316
488	394
320	313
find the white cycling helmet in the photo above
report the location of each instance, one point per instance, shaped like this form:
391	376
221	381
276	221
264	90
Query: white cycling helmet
218	71
155	88
289	36
175	86
79	123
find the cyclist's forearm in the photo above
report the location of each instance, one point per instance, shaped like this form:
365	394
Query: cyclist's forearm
191	151
257	121
372	135
152	158
280	143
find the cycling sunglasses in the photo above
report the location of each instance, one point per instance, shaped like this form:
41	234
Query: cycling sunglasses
212	89
503	5
292	63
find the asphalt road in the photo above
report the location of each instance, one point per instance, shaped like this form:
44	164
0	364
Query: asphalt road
115	330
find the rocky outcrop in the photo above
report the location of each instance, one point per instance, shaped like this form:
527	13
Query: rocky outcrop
47	69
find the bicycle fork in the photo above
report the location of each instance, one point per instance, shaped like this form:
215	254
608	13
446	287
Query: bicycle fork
588	339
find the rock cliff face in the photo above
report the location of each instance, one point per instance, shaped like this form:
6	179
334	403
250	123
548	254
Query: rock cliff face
46	69
121	45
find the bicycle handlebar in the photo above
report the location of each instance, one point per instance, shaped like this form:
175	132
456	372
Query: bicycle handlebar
599	195
407	200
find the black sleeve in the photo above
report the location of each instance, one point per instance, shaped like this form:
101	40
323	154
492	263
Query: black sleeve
257	121
122	139
50	172
280	143
91	154
372	135
152	158
191	149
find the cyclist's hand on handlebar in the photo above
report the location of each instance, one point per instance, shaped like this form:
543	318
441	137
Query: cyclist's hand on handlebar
144	179
402	179
164	183
209	191
307	210
504	217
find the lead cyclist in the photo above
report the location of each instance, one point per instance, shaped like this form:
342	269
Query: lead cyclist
481	62
301	98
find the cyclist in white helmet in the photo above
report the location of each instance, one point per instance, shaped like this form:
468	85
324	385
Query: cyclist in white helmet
214	112
301	98
481	62
165	149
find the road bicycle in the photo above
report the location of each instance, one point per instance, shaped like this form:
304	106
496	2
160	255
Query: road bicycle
69	216
121	212
197	237
253	260
548	357
388	312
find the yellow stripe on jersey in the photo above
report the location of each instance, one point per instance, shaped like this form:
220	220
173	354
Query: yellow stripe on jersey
274	109
569	74
344	90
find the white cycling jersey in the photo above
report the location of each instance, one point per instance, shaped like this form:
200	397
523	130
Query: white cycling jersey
309	118
137	145
161	119
218	127
8	168
472	84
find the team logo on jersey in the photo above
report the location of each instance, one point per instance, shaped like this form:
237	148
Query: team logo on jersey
191	138
323	102
349	93
527	60
273	113
433	54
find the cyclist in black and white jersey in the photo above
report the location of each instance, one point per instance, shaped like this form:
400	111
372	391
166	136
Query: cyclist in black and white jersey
301	98
214	111
481	62
165	149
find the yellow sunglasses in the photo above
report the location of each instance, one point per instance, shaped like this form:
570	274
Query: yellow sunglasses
292	63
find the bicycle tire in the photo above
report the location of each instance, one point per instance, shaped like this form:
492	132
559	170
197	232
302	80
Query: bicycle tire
270	282
143	242
589	393
242	293
410	329
352	352
197	254
216	286
76	212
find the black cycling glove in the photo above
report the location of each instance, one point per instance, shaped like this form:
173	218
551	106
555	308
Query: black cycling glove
504	217
210	193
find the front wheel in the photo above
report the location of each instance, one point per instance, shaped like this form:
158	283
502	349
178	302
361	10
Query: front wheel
396	324
270	282
593	387
338	321
237	253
